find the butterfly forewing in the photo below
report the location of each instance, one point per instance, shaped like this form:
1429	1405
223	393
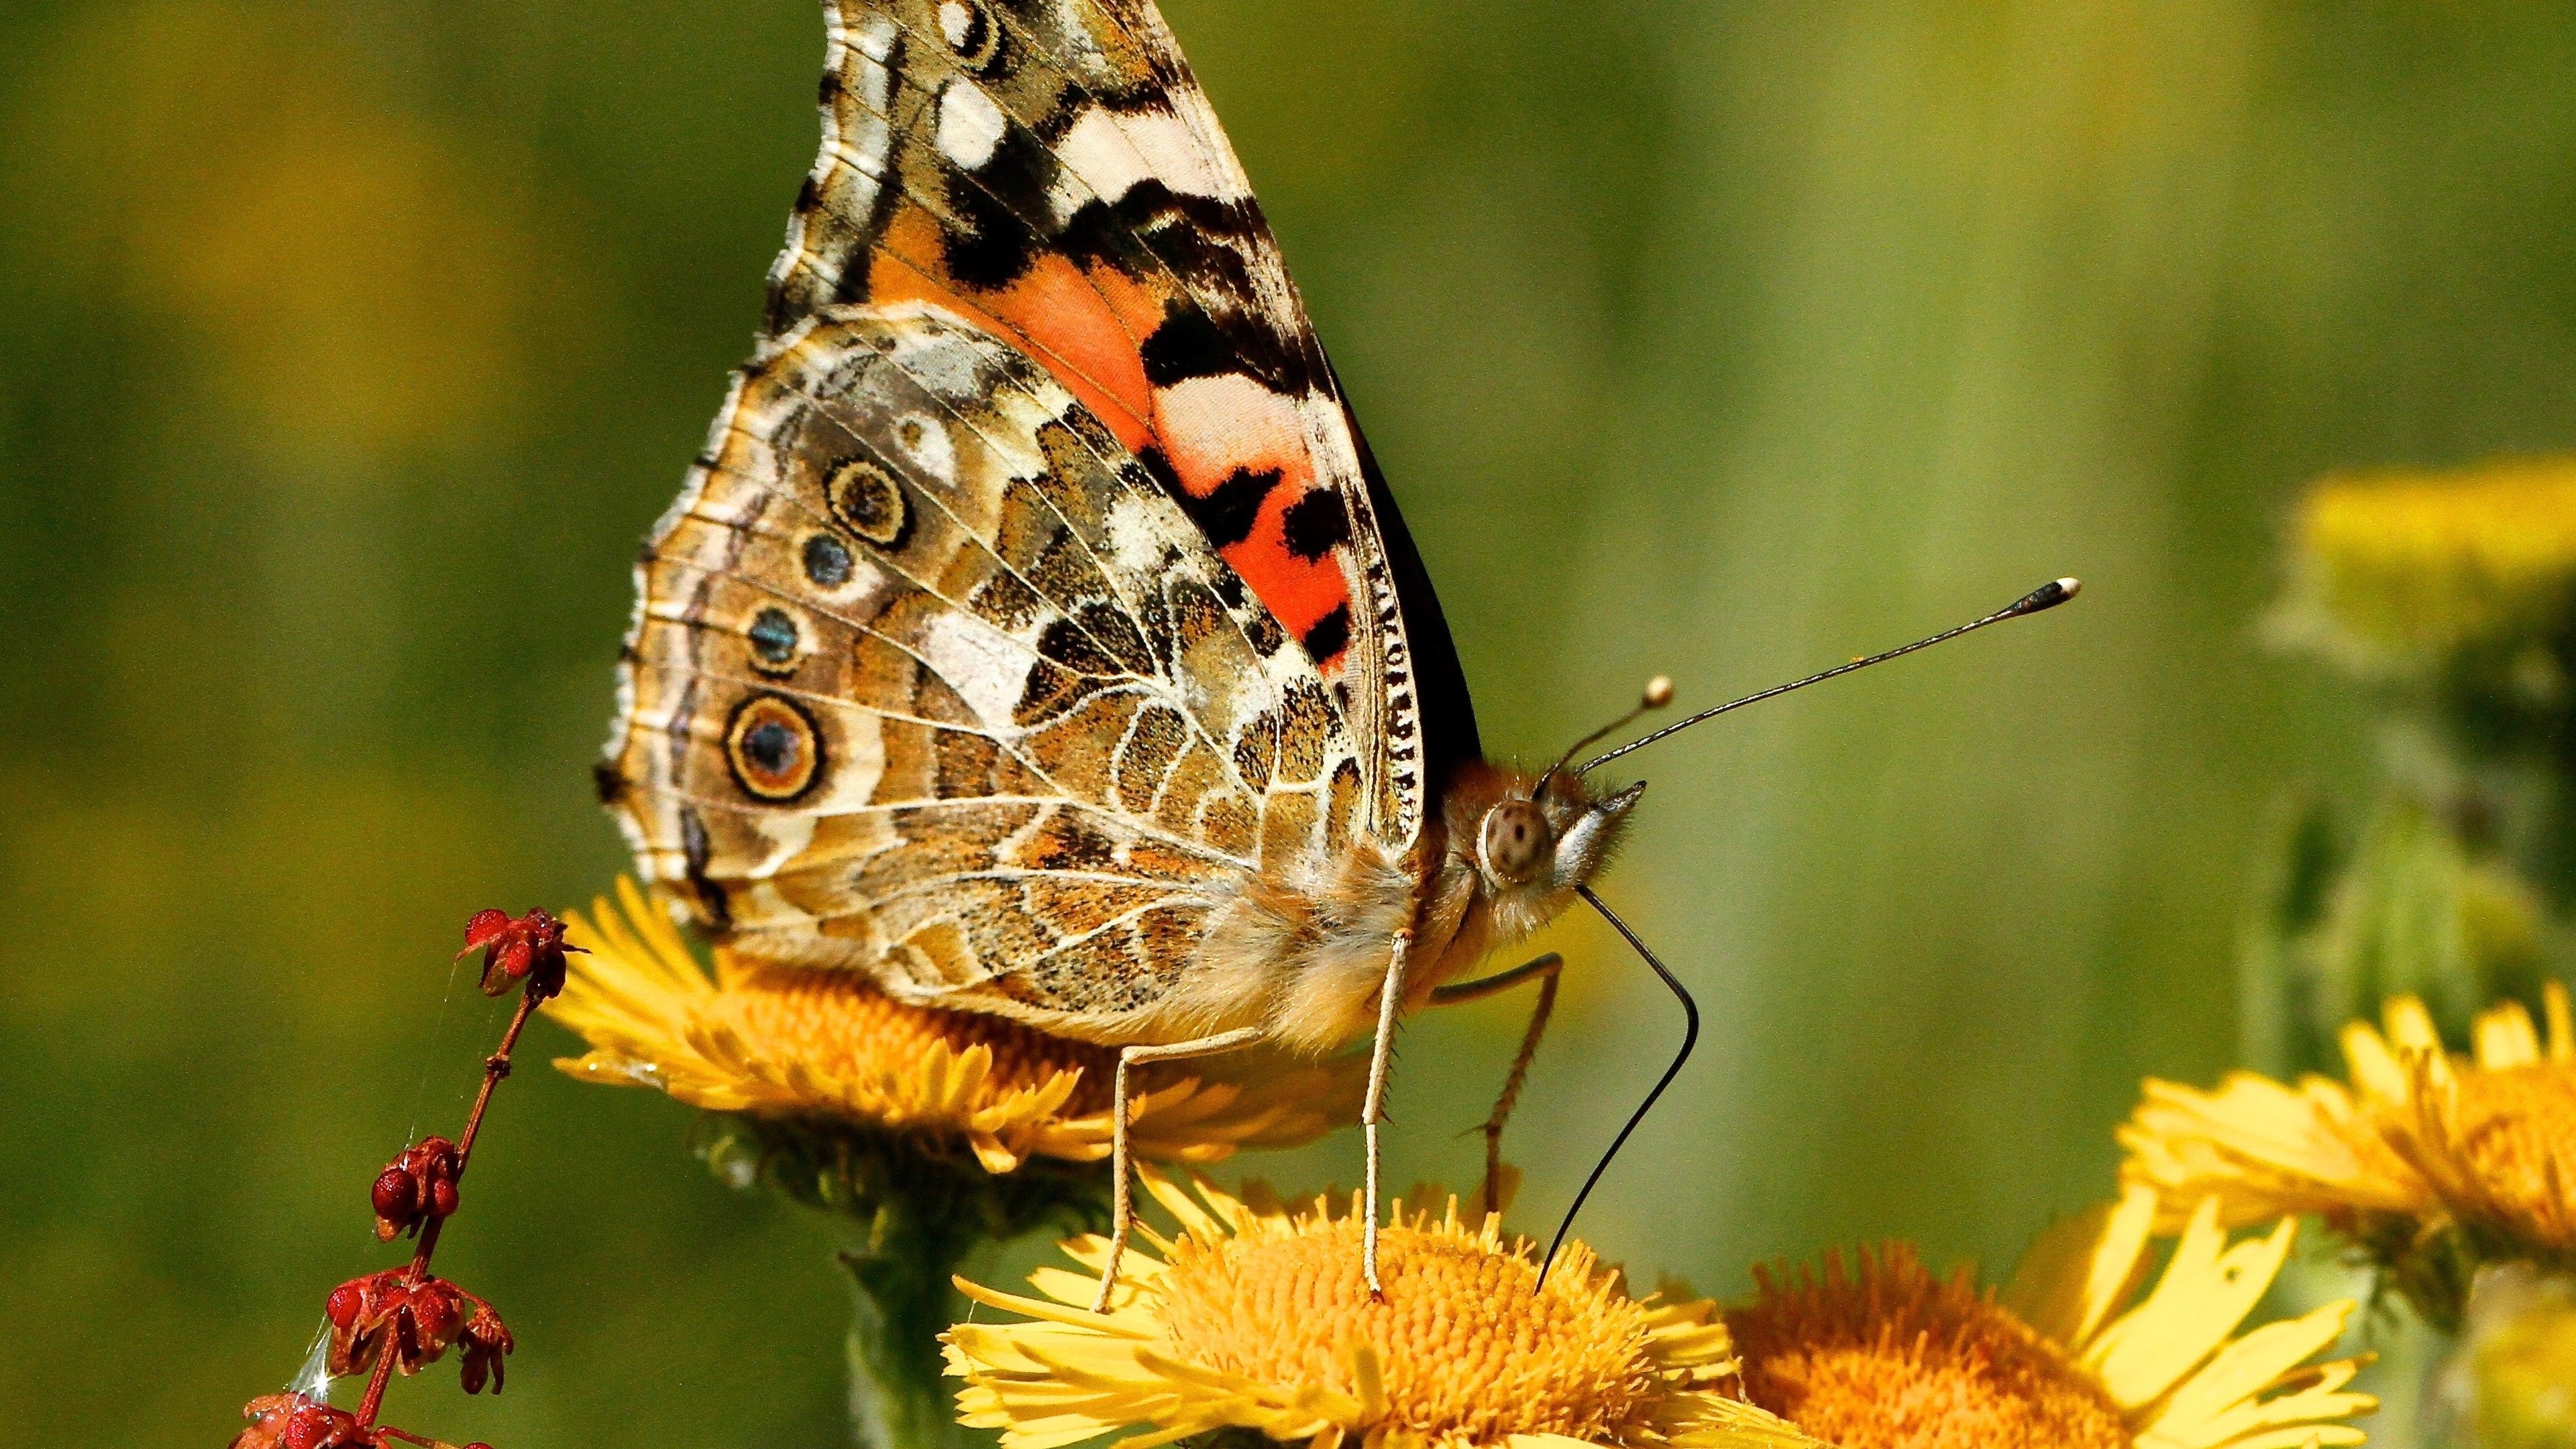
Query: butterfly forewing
1051	173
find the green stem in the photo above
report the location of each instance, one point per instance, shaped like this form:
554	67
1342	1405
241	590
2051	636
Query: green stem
924	1203
898	1398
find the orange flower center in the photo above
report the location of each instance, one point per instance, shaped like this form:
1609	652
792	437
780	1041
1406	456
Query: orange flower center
2517	1128
838	1019
1898	1359
1467	1346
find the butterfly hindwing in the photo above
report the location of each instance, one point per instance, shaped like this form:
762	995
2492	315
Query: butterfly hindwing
1048	171
933	679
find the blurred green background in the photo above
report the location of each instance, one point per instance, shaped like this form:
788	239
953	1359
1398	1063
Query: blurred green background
347	348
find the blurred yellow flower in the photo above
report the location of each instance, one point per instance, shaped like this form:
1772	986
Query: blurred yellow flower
2487	1141
2514	1373
789	1041
2069	1357
1255	1317
2411	564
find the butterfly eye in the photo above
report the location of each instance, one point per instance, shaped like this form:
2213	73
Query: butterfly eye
969	29
773	748
1516	841
774	637
865	498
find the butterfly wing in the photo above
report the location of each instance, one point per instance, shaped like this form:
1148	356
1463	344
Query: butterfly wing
1049	171
932	678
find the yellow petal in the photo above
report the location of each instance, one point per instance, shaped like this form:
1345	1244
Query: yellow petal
2204	1293
2375	1070
2503	1037
2078	1271
2243	1369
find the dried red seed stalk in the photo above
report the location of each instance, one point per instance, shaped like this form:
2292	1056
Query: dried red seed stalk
404	1318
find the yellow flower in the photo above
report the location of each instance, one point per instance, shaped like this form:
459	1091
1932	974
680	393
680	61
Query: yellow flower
2070	1357
2411	564
788	1041
2487	1142
1255	1317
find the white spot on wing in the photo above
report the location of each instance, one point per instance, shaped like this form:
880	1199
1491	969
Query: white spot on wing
1208	420
984	669
933	357
857	764
956	24
970	125
1135	537
920	438
876	36
1112	153
787	832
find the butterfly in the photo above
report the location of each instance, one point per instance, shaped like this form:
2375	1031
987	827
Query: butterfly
1035	633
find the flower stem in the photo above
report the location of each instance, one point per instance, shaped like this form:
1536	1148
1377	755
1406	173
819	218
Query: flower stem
897	1397
923	1204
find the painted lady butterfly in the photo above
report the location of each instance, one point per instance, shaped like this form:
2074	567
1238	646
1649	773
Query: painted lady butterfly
1035	634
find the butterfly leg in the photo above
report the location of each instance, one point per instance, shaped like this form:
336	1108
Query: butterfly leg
1122	1208
1546	969
1390	998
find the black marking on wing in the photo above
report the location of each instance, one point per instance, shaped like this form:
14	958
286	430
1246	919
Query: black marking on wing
1316	524
1188	344
1191	235
1227	513
695	851
1330	634
996	247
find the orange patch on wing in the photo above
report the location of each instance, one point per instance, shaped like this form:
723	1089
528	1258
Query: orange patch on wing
1082	326
1212	426
1086	326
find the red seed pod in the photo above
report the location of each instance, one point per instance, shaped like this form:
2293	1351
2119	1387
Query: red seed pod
419	1320
396	1198
437	1311
419	1184
319	1426
349	1301
526	948
485	1343
292	1421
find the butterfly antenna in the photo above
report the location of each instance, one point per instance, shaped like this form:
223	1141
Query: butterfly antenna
1658	693
2047	596
1690	1039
